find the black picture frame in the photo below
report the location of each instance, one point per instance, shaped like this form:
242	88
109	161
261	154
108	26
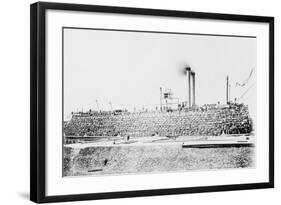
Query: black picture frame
38	100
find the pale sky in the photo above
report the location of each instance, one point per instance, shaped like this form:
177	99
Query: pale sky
128	68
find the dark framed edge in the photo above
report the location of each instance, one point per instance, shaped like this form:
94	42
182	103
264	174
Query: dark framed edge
38	104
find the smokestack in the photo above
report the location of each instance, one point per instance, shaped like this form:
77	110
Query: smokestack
188	70
193	87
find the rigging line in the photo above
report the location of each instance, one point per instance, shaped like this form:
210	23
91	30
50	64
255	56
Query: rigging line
246	98
249	94
246	91
246	81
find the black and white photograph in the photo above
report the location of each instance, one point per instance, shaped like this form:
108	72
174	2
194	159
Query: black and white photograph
134	102
144	102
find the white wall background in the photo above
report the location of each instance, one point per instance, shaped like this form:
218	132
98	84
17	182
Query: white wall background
14	101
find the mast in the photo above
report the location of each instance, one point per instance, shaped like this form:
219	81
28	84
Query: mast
227	89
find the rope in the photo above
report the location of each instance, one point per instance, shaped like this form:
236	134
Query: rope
246	81
246	98
246	91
